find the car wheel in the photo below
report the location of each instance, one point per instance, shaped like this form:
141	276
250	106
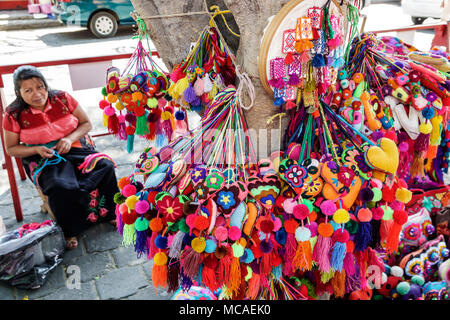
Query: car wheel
103	24
418	20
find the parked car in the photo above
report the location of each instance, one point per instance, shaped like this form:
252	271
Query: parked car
419	10
101	17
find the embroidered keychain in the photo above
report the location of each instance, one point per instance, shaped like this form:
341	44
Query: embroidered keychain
304	34
277	73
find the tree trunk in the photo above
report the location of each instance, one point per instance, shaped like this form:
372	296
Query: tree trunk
173	36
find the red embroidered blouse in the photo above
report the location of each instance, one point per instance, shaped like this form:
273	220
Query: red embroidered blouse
41	127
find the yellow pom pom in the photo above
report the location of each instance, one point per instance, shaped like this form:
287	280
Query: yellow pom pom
425	128
136	96
112	98
160	259
403	195
119	106
243	242
131	201
341	216
198	245
152	103
166	115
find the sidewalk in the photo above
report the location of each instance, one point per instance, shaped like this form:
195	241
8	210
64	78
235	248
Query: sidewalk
108	270
21	19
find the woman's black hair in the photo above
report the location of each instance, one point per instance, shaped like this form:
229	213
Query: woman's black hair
25	73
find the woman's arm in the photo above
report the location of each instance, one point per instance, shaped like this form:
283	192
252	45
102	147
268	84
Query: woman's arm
15	149
84	126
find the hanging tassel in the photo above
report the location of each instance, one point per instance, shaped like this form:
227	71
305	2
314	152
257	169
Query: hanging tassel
130	143
289	58
235	275
318	61
186	282
129	235
190	262
176	245
289	254
349	260
304	58
293	80
179	88
225	256
199	87
207	84
400	217
303	45
113	124
140	245
303	255
265	266
322	247
141	121
105	120
363	235
209	278
340	237
159	270
119	221
338	284
189	94
421	145
173	274
177	74
253	287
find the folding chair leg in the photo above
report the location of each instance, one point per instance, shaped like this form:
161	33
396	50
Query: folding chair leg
22	173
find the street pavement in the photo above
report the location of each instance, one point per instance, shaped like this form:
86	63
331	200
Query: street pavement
108	270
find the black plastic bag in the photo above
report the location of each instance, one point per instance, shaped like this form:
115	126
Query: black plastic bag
27	261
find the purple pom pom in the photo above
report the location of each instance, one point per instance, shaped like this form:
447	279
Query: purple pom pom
266	246
366	194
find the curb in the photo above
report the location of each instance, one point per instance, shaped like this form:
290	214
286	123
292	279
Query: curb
28	24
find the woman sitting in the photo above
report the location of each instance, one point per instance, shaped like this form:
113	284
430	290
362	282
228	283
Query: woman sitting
48	130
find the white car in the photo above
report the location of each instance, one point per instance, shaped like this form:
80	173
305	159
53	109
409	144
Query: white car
419	10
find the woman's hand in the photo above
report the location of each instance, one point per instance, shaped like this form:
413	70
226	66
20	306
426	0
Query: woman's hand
64	145
43	151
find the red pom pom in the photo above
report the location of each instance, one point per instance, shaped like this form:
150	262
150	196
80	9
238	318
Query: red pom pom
151	197
377	213
103	104
201	223
234	233
129	217
340	236
388	194
400	217
301	211
266	226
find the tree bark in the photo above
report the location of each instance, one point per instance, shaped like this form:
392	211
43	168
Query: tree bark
173	36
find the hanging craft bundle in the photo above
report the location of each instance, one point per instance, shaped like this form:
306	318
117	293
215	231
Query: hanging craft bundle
206	70
136	102
366	130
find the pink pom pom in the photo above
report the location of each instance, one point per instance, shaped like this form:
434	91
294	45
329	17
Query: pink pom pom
129	190
121	118
301	211
396	205
103	104
141	207
162	102
403	147
234	233
328	207
109	111
221	233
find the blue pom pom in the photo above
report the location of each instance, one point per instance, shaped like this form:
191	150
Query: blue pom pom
187	239
179	115
281	236
161	242
278	102
428	113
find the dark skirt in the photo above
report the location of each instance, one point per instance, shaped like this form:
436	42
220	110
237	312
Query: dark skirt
77	200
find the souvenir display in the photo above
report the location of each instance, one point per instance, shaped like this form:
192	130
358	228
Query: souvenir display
347	208
136	102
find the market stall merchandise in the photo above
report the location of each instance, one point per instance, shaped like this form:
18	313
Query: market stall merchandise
345	208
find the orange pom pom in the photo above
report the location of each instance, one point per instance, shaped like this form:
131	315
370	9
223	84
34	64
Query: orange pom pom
123	182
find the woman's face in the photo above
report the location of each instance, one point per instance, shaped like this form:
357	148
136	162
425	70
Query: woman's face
34	92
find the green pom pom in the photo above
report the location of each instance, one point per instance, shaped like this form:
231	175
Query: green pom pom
403	288
119	198
104	93
351	226
141	224
182	226
419	280
377	194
